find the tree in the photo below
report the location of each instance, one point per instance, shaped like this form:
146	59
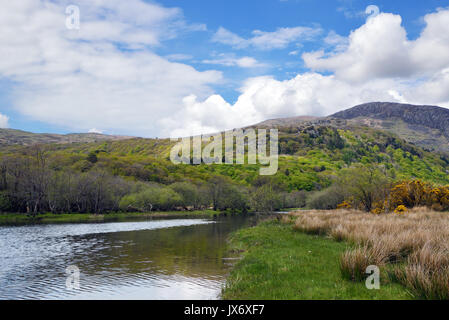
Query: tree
216	186
36	180
188	192
365	183
264	199
92	157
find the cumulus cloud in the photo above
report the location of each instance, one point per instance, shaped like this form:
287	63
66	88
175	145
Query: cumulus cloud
381	49
4	121
104	74
278	39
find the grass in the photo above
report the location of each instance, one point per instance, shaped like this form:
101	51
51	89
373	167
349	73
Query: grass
281	263
412	248
20	219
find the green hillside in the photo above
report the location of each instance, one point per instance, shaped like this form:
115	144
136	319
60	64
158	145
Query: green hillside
308	158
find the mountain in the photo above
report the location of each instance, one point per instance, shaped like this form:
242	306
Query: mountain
425	126
17	137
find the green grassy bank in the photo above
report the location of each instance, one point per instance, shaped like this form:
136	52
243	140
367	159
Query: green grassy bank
21	219
280	263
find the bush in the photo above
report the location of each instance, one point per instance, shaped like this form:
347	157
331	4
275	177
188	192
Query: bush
295	199
152	198
326	199
265	200
5	203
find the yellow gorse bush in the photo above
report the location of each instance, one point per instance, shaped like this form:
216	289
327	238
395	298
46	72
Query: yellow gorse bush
401	209
344	205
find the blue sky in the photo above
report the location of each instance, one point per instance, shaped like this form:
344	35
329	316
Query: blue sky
242	17
177	67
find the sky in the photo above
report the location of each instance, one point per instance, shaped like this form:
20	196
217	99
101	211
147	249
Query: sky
178	68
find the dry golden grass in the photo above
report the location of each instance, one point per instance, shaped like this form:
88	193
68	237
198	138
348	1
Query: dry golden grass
414	244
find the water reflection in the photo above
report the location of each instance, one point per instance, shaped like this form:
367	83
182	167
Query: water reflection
169	259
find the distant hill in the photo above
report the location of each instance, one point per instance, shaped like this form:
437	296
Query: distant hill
10	137
426	126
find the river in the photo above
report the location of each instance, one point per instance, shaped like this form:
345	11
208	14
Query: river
154	259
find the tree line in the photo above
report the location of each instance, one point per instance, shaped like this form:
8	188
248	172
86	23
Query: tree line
30	183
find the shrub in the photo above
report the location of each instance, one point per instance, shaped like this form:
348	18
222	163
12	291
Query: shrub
326	199
151	198
344	205
401	209
295	199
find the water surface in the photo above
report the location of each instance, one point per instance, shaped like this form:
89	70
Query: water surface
157	259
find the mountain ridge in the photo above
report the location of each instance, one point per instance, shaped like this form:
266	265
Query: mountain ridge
10	137
427	115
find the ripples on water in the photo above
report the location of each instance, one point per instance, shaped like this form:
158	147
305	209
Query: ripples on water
169	259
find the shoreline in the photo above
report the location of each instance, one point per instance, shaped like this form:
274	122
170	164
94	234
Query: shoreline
19	219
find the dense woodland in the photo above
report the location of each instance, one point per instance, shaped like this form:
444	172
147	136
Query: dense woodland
317	167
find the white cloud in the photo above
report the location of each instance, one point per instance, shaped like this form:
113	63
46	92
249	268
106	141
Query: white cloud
179	57
380	49
4	121
232	61
80	79
337	41
94	130
278	39
227	37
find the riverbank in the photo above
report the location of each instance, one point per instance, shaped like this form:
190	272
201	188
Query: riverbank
21	219
279	262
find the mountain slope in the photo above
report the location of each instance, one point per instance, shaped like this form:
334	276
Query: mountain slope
19	137
429	116
427	126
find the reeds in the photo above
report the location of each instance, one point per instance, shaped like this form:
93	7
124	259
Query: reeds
415	244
